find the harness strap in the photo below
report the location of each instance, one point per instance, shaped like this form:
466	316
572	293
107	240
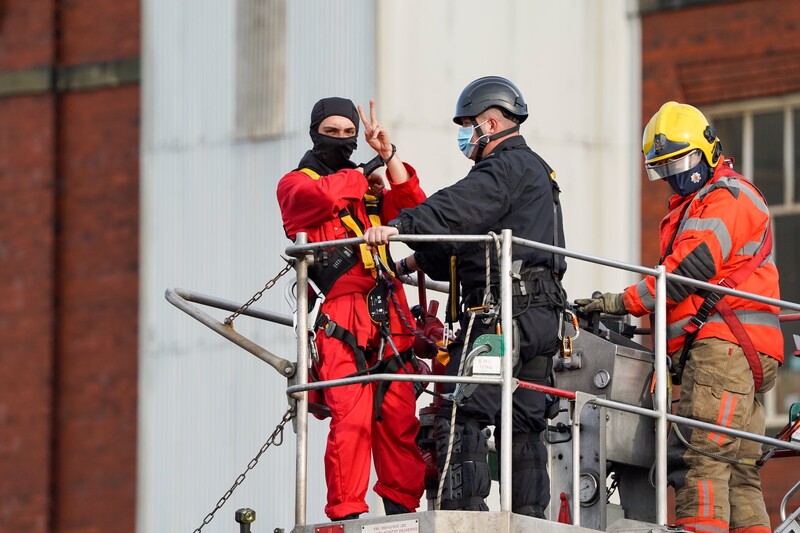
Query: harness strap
310	173
714	301
452	311
373	206
332	329
390	365
353	225
744	341
556	190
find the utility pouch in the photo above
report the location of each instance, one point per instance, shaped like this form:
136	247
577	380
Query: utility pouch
330	264
378	302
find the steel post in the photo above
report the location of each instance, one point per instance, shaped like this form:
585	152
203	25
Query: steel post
506	314
301	413
661	394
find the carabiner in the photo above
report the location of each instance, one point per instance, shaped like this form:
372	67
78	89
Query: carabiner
567	340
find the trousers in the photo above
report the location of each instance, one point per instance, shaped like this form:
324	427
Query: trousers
355	436
714	494
468	481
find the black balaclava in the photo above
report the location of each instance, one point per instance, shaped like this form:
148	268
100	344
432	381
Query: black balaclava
334	152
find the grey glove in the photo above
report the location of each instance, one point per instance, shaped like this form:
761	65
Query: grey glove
608	302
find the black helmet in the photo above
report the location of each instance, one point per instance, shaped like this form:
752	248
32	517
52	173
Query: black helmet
490	91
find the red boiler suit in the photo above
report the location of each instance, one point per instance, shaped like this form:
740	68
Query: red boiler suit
312	205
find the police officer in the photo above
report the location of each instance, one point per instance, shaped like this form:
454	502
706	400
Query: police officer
509	187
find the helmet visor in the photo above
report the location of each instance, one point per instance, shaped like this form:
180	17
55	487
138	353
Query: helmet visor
670	167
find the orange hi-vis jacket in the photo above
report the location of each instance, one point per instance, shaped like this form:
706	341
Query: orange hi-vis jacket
708	236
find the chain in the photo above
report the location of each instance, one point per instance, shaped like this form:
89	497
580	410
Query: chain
253	462
256	296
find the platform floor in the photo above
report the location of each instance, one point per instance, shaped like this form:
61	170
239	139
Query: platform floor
466	522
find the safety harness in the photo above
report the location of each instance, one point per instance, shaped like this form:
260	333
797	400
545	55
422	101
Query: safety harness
373	206
714	301
331	264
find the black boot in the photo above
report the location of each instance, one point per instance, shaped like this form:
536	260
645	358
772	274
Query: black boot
394	507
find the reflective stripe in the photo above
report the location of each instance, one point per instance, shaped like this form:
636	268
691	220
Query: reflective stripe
716	226
733	183
746	317
648	301
703	526
724	417
705	499
749	248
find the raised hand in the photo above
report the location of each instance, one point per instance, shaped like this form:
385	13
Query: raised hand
375	135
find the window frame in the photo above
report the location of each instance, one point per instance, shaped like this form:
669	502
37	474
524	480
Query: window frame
745	109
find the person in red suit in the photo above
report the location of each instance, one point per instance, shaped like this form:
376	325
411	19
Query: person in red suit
329	198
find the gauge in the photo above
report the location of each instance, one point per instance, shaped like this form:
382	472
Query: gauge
601	379
589	489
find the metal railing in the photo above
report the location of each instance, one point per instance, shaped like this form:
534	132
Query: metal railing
298	371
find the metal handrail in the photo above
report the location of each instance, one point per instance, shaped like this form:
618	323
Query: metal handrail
181	299
303	252
786	499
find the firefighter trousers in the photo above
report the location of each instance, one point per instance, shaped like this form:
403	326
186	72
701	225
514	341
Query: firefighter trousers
713	492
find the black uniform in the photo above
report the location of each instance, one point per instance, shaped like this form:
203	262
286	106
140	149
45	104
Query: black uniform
509	189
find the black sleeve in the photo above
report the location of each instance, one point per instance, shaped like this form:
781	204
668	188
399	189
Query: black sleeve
471	206
435	262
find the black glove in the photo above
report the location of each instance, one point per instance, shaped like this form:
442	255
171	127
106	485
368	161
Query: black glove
608	302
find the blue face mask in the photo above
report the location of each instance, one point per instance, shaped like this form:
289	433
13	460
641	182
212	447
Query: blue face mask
464	136
690	181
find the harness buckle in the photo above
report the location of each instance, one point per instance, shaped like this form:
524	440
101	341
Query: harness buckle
325	323
696	323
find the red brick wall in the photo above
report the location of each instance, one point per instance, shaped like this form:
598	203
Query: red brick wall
748	36
715	53
69	230
98	310
27	314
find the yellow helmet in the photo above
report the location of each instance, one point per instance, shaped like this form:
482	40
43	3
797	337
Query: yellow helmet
676	130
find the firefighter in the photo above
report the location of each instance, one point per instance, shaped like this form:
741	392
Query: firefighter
329	197
724	349
509	186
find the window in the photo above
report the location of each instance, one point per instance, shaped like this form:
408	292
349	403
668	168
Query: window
763	137
260	68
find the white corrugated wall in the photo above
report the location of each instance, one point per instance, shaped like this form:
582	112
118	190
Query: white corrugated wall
210	221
